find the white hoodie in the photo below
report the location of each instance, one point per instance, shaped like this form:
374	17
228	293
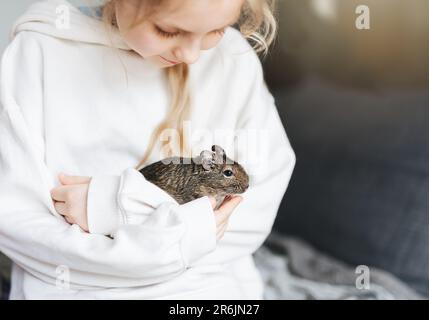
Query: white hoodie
68	105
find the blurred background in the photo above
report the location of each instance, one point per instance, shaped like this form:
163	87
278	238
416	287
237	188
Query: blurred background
9	12
355	105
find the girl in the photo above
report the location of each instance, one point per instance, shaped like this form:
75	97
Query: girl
94	93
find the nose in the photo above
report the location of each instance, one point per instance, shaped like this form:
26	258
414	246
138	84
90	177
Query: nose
189	52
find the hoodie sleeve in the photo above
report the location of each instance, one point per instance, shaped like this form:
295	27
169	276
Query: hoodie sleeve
35	237
269	161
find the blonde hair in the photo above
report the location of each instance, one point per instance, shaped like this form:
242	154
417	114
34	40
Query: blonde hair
257	23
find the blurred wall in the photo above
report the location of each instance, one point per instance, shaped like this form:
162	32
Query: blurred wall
320	36
355	107
9	12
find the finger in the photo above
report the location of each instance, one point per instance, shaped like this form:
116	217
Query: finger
227	198
230	202
221	228
67	180
61	208
222	219
212	201
69	220
228	207
220	233
59	193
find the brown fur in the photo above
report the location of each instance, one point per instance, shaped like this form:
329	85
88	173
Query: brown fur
186	179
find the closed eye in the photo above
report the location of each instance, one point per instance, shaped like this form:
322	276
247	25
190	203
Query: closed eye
166	34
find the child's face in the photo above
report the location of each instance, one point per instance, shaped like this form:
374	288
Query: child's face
179	30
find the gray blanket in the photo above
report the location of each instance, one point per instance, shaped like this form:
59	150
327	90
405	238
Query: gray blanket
292	269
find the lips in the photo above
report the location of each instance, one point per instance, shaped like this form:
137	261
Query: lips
172	62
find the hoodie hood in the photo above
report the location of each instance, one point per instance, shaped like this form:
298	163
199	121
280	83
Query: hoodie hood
43	17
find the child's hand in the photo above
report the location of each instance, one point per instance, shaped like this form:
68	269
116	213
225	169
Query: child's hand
70	199
223	213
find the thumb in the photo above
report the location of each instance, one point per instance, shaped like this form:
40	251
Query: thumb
231	203
66	179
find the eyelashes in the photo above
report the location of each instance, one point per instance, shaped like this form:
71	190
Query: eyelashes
170	35
166	34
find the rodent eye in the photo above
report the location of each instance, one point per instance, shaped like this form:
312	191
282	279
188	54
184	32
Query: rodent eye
228	173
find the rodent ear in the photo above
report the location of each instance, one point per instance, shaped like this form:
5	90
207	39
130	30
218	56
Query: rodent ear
219	155
206	160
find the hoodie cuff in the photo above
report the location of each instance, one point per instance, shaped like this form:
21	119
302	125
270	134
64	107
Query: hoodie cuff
200	235
103	213
134	189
